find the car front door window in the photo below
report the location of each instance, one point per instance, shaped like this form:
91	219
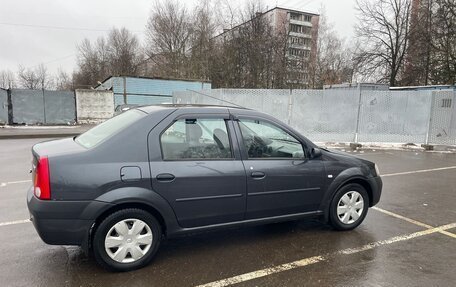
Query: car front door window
264	140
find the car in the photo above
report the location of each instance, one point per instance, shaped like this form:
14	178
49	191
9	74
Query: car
162	171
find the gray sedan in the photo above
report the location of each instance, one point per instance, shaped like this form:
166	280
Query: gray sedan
162	171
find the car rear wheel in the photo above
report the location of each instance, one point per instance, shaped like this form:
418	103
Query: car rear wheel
126	240
349	207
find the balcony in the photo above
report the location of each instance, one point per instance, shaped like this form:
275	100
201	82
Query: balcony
302	35
302	23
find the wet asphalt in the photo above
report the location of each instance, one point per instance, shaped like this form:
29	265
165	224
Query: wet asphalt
427	260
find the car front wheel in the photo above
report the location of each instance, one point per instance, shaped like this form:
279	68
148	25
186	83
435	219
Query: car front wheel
349	207
126	240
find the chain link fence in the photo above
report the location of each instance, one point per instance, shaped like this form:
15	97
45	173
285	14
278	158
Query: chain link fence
347	115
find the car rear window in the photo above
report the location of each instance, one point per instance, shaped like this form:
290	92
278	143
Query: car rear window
105	130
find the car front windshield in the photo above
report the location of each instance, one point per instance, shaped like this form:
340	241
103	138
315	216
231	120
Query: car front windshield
105	130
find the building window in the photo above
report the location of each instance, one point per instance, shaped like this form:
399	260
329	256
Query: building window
296	16
300	29
300	41
300	17
298	52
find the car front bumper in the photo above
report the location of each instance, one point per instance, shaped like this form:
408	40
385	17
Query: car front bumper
376	188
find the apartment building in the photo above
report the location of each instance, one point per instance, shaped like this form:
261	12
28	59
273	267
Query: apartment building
301	28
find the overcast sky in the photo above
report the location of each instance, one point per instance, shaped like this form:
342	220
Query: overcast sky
27	38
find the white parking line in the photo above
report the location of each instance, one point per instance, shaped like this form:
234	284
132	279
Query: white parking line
418	171
411	220
14	222
402	217
398	239
3	184
315	259
264	272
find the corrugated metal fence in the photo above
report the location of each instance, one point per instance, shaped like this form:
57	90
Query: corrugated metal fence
348	115
42	107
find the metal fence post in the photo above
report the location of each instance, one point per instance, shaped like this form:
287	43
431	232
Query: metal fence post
290	106
9	98
359	114
125	89
428	130
44	108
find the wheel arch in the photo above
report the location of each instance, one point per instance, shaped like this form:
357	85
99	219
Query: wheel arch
358	179
126	205
133	197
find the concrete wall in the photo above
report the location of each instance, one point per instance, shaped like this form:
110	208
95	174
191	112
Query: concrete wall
42	107
94	106
3	107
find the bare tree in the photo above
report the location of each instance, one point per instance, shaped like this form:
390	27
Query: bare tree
203	31
254	54
118	54
333	63
383	31
417	60
45	79
124	52
443	59
92	62
7	79
227	14
34	79
168	33
27	78
63	81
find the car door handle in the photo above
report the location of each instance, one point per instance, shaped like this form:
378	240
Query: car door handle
165	177
258	174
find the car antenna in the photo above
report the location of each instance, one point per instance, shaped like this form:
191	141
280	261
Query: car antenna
236	105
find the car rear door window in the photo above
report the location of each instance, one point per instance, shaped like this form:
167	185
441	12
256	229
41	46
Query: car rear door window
265	140
108	128
189	139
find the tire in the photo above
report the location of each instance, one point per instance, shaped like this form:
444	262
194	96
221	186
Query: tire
134	238
354	213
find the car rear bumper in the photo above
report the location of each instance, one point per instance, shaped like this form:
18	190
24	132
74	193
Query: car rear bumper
61	222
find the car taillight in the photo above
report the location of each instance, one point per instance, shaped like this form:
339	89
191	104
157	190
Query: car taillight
42	186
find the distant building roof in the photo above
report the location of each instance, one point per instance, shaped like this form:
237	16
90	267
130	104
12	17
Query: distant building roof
263	13
365	86
152	78
423	88
148	90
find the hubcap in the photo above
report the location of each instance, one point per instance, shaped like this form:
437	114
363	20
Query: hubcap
128	240
350	207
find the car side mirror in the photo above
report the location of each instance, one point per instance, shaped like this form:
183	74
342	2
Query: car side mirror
315	153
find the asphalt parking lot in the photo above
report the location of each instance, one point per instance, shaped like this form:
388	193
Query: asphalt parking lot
408	240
